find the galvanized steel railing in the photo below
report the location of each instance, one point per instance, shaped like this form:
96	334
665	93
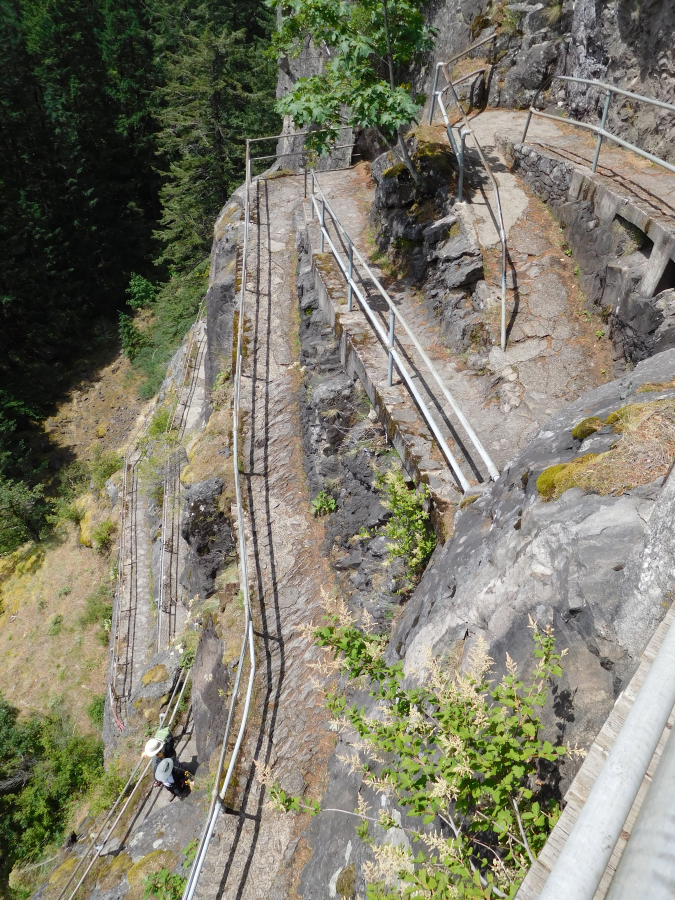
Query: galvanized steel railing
466	131
218	794
321	206
600	129
99	847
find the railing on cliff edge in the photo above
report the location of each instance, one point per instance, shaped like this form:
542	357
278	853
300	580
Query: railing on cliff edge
219	793
347	269
466	131
600	129
99	847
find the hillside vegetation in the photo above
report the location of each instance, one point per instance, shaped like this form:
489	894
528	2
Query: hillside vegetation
123	135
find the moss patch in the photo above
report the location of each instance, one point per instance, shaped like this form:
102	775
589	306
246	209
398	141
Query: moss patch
117	869
346	882
396	171
156	675
586	427
656	386
64	871
468	500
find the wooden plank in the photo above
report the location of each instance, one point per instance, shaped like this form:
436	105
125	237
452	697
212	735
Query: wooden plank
584	780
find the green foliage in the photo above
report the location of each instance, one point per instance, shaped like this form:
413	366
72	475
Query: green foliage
163	885
23	514
140	292
50	767
102	535
132	339
98	611
456	750
174	311
364	82
103	465
95	710
409	528
323	504
159	423
55	626
219	90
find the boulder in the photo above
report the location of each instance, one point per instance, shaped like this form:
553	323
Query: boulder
532	67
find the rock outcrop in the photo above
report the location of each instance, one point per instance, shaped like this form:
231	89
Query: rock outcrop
598	568
207	530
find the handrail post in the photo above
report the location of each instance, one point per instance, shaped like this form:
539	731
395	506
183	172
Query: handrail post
527	125
305	180
602	126
390	372
323	221
312	198
460	183
433	93
351	273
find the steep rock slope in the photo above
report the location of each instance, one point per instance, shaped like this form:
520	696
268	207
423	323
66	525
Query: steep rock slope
598	568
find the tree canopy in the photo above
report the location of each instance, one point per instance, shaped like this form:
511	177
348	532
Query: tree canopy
369	47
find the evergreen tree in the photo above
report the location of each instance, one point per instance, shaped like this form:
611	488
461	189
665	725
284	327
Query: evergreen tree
218	91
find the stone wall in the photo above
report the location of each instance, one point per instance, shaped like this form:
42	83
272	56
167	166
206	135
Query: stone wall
549	178
626	44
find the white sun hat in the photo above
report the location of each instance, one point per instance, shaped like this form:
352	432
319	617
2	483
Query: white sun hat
153	746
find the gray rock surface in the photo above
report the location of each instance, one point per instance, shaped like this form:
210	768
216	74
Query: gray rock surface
583	563
211	681
597	568
208	533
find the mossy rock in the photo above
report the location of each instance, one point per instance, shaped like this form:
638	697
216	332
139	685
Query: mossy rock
398	170
586	427
617	416
153	862
346	882
546	481
117	869
64	871
156	675
468	500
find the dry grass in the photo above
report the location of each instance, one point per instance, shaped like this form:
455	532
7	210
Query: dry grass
69	664
467	65
645	452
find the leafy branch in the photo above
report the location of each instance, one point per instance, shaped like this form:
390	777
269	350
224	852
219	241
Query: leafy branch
456	751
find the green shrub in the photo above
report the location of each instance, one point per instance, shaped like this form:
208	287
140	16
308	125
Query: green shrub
55	626
95	710
458	747
409	529
141	292
104	464
174	310
98	606
163	885
323	504
133	340
60	765
159	423
101	536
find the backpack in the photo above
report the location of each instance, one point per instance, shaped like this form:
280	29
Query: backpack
164	735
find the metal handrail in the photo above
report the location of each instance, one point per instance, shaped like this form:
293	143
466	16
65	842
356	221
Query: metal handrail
466	131
600	129
448	78
100	847
217	796
388	340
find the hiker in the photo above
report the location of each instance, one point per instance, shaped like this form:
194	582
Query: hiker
162	751
168	775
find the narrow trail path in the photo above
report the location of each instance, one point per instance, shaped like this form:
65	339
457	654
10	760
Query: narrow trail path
553	354
288	731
